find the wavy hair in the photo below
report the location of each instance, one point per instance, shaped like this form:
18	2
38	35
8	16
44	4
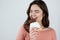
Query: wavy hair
45	19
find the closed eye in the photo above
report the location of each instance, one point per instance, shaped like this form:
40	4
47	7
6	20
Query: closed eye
36	11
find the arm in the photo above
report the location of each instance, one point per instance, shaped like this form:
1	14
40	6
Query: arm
54	35
20	35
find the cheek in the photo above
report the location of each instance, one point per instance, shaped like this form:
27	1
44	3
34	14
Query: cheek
30	15
39	16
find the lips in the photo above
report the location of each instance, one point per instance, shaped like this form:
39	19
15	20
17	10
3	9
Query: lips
33	19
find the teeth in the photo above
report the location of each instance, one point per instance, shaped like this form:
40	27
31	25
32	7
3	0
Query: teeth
34	17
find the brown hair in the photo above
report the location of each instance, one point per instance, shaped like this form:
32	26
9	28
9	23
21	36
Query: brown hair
45	20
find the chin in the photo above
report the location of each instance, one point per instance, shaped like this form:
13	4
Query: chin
38	20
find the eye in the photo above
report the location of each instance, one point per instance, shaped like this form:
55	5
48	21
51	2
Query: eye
36	11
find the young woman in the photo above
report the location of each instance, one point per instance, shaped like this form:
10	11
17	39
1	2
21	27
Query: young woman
37	12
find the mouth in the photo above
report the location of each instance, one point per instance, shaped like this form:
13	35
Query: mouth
33	19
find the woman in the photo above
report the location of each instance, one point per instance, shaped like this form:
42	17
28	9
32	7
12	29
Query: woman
37	12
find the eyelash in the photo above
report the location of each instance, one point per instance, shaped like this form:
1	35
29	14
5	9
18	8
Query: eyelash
35	12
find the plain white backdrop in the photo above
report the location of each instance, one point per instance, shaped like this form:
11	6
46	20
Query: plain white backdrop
13	15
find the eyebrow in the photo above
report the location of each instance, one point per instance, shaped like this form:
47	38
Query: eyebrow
35	10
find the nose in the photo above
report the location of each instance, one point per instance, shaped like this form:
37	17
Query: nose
33	15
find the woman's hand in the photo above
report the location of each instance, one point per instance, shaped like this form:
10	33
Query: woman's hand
34	33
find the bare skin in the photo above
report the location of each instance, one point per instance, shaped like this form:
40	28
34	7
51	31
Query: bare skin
37	13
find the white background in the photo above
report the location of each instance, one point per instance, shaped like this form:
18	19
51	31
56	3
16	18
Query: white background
13	15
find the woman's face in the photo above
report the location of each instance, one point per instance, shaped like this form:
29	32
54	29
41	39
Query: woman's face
36	12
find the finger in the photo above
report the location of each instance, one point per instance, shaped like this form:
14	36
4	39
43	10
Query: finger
33	36
34	30
34	33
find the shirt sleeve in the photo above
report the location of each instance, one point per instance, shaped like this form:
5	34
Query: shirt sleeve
20	35
54	35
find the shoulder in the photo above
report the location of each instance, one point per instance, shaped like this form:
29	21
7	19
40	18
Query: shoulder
53	33
21	27
22	30
21	33
52	30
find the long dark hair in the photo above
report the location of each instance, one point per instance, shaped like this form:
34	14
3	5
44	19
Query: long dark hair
45	20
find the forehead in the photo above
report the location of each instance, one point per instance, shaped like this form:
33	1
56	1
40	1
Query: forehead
35	7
